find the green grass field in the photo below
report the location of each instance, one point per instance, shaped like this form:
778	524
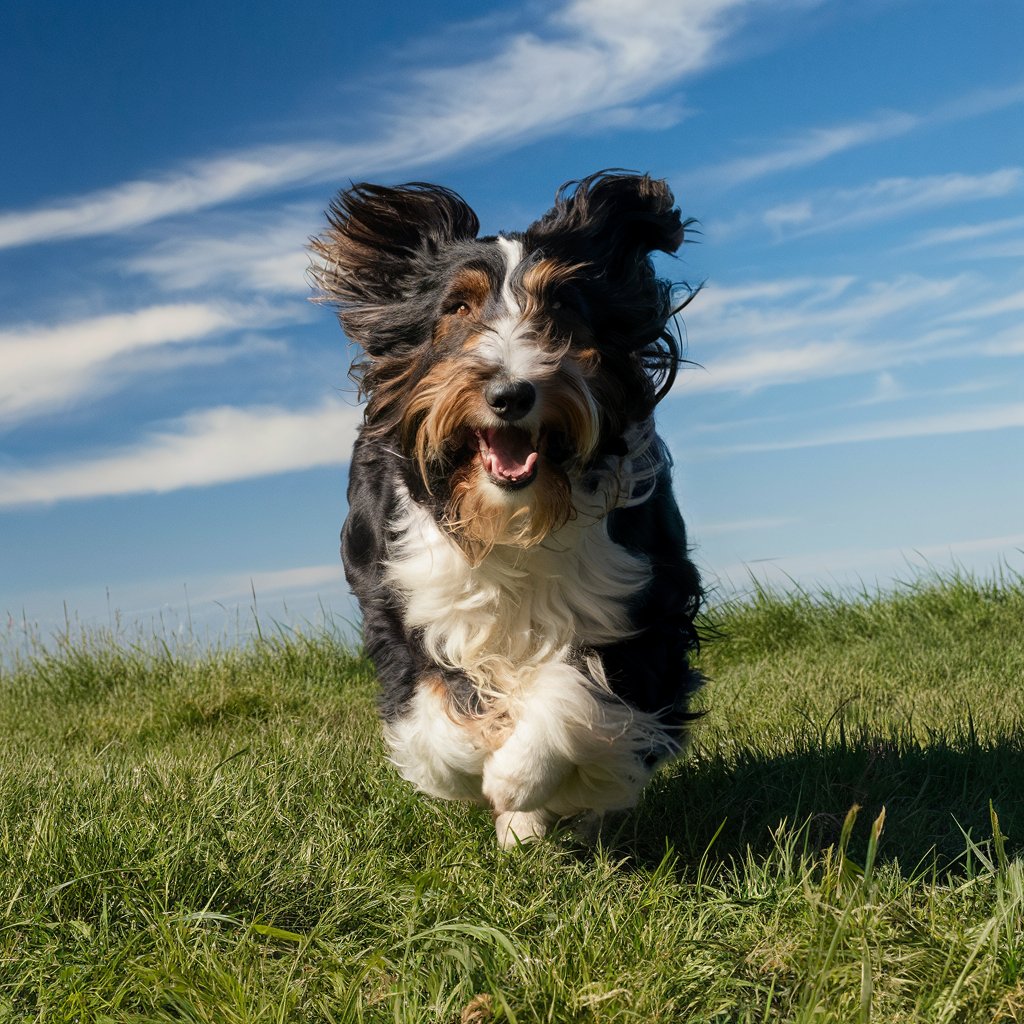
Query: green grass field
218	838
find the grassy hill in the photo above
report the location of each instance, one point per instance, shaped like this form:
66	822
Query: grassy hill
219	838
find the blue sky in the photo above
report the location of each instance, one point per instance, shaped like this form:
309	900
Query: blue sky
175	416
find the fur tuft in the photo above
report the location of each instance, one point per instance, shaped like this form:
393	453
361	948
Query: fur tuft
512	535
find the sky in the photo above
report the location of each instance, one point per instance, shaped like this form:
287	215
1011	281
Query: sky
175	413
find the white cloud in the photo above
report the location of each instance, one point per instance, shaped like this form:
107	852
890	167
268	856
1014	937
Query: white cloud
767	333
953	236
168	358
269	583
747	336
1005	343
194	187
203	448
1013	303
879	201
47	366
730	425
757	368
717	300
817	144
887	389
594	56
811	308
885	200
983	101
1012	249
268	257
1005	417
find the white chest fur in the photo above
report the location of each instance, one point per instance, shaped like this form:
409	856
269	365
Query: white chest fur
500	621
550	738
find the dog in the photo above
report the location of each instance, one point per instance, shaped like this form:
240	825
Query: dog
513	541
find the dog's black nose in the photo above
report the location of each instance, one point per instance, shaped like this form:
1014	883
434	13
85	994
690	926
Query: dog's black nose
510	399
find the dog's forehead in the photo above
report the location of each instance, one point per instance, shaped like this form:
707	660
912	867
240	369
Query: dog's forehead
499	253
501	258
478	254
512	249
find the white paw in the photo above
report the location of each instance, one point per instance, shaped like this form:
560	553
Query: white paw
518	779
515	828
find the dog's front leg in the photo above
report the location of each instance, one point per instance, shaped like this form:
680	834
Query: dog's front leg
537	757
525	770
518	827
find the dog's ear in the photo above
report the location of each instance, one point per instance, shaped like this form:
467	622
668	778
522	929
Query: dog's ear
379	241
609	224
614	219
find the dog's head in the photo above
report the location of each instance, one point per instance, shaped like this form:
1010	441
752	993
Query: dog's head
502	368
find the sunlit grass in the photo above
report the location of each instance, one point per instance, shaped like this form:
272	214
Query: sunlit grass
217	837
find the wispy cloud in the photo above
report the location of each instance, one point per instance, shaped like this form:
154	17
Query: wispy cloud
1008	342
820	143
203	448
812	147
593	55
979	102
268	257
885	200
194	187
1005	417
269	583
1011	249
49	366
811	308
797	330
887	388
1012	303
954	236
759	368
765	333
717	300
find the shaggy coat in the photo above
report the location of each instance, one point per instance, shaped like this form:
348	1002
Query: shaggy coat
512	537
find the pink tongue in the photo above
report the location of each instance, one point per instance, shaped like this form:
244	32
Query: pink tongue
509	452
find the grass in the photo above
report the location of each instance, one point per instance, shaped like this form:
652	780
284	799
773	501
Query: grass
218	838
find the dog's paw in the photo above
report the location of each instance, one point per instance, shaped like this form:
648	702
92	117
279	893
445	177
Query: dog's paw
517	779
516	828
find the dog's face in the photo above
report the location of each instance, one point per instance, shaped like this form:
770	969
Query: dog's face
501	368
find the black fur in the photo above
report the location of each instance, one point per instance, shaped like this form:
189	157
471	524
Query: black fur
651	670
390	260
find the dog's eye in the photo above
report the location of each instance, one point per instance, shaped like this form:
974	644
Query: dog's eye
459	309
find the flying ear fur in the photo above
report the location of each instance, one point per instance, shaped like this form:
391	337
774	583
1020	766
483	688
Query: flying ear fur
609	224
374	247
622	216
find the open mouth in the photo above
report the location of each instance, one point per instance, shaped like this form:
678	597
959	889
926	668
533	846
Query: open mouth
509	455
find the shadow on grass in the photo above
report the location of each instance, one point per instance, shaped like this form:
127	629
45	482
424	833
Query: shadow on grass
722	803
